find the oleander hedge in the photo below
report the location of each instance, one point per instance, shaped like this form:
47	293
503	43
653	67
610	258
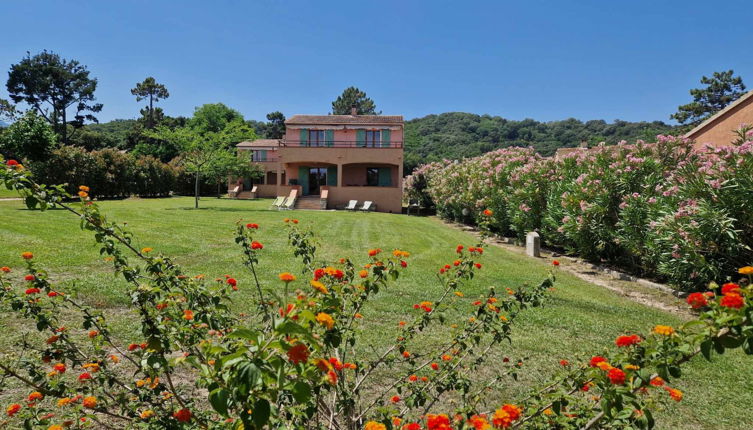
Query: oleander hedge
662	209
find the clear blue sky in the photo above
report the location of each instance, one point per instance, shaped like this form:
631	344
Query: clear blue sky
635	60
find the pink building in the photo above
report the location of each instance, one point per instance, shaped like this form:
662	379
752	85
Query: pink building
332	159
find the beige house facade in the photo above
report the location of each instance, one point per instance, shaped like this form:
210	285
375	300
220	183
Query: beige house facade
342	157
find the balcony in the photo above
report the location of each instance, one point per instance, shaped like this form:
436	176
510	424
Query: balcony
266	159
341	144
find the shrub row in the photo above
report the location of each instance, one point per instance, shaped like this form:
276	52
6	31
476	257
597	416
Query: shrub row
661	209
115	174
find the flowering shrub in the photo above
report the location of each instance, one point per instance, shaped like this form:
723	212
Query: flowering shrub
660	209
298	363
200	366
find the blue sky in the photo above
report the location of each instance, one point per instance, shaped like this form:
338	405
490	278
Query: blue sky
551	60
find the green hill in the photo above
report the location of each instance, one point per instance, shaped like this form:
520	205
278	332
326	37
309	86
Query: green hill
459	134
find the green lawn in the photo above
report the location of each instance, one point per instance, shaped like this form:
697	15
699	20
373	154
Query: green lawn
580	318
7	194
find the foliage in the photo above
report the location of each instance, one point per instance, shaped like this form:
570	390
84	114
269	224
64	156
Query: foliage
29	138
659	209
353	97
206	145
296	364
228	165
275	128
51	85
455	135
722	88
153	91
213	118
116	174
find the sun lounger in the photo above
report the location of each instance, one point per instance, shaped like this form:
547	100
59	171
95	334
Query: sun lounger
278	201
352	205
288	204
368	206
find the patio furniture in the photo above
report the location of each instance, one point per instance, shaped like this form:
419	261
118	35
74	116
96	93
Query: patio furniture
368	206
253	192
352	205
288	204
233	193
278	201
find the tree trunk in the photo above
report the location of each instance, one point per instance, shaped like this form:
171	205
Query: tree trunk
196	192
151	112
64	131
219	188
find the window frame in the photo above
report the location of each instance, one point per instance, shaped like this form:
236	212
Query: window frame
373	138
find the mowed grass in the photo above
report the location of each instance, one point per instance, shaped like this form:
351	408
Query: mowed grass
579	320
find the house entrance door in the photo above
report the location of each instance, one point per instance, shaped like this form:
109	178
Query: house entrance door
317	178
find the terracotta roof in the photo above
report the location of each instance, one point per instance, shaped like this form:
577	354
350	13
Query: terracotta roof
713	118
344	119
259	143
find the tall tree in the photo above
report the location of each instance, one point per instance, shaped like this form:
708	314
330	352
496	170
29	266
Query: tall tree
51	85
722	88
154	92
203	146
351	97
213	117
275	128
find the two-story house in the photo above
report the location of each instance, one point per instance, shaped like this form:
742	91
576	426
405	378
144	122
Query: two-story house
352	157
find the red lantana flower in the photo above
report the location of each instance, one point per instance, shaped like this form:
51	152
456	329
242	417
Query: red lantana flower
232	282
11	163
730	287
252	225
33	290
298	353
14	408
256	245
395	399
183	415
732	300
596	360
623	341
29	278
616	376
697	300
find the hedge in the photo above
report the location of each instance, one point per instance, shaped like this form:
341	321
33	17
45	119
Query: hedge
665	210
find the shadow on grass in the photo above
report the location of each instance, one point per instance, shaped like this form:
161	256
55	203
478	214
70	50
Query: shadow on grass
218	209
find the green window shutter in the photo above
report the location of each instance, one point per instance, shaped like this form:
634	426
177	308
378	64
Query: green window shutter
304	136
303	179
332	176
385	177
329	137
386	137
360	137
263	155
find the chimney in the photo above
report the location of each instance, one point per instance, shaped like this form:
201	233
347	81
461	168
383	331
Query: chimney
353	110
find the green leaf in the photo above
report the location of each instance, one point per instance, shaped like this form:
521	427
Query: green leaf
260	414
218	400
706	349
301	392
244	333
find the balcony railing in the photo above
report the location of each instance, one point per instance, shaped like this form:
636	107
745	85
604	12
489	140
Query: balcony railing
342	144
266	159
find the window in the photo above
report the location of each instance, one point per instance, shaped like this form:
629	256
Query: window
316	138
372	176
373	138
